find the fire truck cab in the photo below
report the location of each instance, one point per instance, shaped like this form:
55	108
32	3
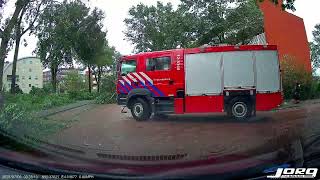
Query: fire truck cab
238	80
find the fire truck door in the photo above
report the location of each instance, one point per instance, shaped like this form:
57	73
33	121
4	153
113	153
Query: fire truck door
158	69
203	82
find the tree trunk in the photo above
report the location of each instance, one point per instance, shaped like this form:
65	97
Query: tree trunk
19	34
54	71
89	78
5	37
14	63
95	77
99	78
3	54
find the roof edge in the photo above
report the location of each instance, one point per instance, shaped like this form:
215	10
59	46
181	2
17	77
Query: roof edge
27	57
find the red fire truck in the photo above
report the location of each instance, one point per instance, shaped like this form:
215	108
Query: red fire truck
238	80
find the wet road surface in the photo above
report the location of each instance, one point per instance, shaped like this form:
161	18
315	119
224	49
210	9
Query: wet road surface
102	128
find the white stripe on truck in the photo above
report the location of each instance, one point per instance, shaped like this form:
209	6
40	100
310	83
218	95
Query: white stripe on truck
147	77
127	80
139	77
132	78
121	81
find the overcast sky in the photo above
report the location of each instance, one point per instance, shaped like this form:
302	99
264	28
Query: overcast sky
117	11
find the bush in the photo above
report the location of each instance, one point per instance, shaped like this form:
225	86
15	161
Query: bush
73	94
11	115
16	120
101	99
18	90
107	91
37	91
56	100
81	95
73	82
108	84
107	98
87	96
315	89
292	74
48	88
37	102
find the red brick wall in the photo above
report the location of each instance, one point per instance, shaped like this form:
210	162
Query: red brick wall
288	32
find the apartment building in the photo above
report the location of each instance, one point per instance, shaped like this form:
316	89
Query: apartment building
29	74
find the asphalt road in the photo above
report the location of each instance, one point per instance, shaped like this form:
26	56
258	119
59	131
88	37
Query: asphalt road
105	129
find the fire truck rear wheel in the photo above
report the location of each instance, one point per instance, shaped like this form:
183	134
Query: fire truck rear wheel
140	109
240	109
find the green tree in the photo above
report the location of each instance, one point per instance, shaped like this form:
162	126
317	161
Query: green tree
292	74
315	49
56	34
6	33
103	60
287	4
159	27
89	40
219	22
194	23
115	61
209	23
243	23
68	32
25	23
74	82
2	2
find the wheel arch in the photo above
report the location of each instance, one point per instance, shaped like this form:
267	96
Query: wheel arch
230	96
144	94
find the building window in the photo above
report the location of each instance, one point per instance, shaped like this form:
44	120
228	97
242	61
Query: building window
30	70
23	77
30	77
30	62
9	78
29	85
36	78
159	64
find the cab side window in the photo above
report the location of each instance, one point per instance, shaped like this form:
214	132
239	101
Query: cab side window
159	64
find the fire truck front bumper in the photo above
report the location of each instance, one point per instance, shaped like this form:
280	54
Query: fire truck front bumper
122	99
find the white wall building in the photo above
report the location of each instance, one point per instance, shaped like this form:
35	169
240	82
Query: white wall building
29	73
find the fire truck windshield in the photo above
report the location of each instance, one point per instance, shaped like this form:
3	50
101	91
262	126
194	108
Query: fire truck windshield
128	67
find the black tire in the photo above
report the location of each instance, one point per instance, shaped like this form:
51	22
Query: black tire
240	109
140	109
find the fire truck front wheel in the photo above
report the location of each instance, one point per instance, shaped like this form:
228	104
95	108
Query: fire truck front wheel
240	109
140	109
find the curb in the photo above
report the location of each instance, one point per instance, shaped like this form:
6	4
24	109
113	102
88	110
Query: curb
288	107
50	112
302	104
